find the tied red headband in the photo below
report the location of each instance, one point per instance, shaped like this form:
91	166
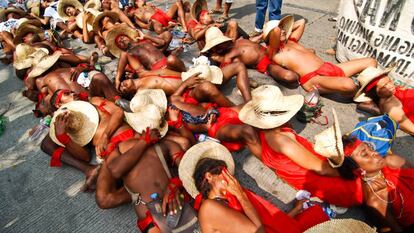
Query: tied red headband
59	96
351	147
118	38
203	12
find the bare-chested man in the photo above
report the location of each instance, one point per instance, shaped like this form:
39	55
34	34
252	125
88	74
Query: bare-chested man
8	25
249	53
113	5
149	17
285	51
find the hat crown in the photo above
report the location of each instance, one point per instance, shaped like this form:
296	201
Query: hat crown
213	33
75	121
139	101
367	75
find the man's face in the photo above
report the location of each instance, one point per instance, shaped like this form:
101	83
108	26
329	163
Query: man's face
122	42
70	11
30	38
106	4
12	15
221	48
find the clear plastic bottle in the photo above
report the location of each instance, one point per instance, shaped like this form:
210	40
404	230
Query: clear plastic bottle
40	130
203	138
155	208
312	97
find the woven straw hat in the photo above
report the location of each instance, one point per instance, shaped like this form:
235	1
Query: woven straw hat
43	63
147	116
188	164
64	3
268	27
93	4
23	31
286	23
121	29
329	142
79	19
23	56
9	10
214	37
33	6
212	74
269	108
83	125
343	226
144	97
97	21
197	7
366	77
25	21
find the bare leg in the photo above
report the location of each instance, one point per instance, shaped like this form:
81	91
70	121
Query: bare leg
357	65
243	133
232	30
280	74
178	9
174	63
329	85
242	79
218	5
8	39
123	17
102	86
100	42
369	107
208	93
226	9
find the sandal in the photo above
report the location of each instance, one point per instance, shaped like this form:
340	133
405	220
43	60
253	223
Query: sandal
254	34
222	19
216	11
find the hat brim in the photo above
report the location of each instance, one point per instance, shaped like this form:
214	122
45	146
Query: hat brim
286	23
268	27
197	7
216	41
157	97
79	21
216	75
360	95
44	64
188	163
23	31
289	105
7	11
64	3
148	116
341	225
24	61
93	4
121	29
96	22
90	122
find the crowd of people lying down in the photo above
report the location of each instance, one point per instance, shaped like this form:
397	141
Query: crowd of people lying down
160	135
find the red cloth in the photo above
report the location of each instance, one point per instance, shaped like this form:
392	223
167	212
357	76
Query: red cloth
227	117
161	17
224	64
84	96
115	140
162	76
192	24
188	99
403	180
263	64
55	159
333	190
311	217
406	97
327	69
101	107
144	224
161	64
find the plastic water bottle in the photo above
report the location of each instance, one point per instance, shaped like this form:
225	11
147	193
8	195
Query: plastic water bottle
312	97
203	138
40	130
155	208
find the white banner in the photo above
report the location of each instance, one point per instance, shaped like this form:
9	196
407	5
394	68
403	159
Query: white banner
381	29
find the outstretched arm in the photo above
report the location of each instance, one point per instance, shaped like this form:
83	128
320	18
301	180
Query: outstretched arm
397	113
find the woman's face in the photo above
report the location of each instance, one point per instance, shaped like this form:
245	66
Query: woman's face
385	87
217	183
70	11
206	19
368	159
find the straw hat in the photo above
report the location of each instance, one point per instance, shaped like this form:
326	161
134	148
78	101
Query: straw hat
144	97
343	226
268	27
121	29
79	19
366	77
25	21
98	18
64	3
83	123
43	64
23	30
214	37
147	116
329	143
33	6
212	74
5	12
23	59
286	23
188	164
197	7
93	4
269	108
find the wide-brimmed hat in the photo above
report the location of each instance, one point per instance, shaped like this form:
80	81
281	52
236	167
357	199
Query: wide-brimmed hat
119	30
97	21
286	23
93	4
343	226
79	19
197	7
23	30
366	77
148	116
23	56
144	97
64	3
25	21
83	125
269	108
192	156
268	27
214	37
33	6
9	10
329	143
43	64
212	74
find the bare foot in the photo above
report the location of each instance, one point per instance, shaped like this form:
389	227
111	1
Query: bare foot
330	51
369	107
90	181
93	59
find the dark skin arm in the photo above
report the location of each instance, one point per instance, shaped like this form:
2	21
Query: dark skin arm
191	82
157	41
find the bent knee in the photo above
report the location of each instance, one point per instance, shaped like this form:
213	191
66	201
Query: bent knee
47	145
349	86
232	23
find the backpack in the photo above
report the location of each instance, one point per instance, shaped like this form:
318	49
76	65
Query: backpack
379	132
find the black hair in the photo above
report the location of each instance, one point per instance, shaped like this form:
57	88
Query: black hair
373	95
205	165
53	100
348	167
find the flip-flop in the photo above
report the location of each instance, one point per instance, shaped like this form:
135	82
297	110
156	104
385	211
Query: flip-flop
104	60
215	11
222	19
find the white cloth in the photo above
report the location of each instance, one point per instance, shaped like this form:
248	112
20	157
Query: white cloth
51	11
4	3
228	1
8	25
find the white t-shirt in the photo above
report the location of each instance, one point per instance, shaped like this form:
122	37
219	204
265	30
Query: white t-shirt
51	11
8	25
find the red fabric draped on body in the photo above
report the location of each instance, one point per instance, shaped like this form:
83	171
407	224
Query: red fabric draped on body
333	190
262	65
115	140
273	219
406	97
403	180
161	64
227	117
161	17
192	24
327	69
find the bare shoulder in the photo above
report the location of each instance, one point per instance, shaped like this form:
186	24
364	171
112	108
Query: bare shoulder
209	206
